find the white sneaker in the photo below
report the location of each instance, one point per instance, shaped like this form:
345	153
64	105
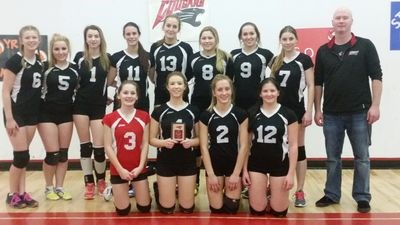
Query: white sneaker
107	193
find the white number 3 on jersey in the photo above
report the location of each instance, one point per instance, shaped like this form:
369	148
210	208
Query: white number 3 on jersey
130	138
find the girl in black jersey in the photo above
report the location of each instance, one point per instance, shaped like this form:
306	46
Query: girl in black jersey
90	105
250	63
294	72
173	130
55	120
167	55
224	146
205	64
273	153
131	63
22	83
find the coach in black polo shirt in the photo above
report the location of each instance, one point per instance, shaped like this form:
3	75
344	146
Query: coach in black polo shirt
342	72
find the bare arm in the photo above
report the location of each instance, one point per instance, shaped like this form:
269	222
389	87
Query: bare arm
152	74
8	81
112	73
153	137
307	118
293	154
145	150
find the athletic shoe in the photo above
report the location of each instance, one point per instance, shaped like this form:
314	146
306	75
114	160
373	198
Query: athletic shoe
363	206
63	194
107	194
131	191
51	195
325	201
245	193
101	186
89	191
29	201
299	200
15	201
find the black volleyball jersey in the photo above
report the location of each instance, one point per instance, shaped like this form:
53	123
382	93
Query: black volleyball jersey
128	68
92	82
203	69
270	134
26	89
292	80
166	115
60	84
249	71
223	130
166	59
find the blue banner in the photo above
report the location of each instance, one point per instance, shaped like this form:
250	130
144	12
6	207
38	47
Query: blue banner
395	26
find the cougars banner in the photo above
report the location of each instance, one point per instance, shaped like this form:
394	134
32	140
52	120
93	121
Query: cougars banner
310	39
193	14
9	46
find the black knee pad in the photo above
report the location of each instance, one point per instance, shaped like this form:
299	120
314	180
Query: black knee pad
301	153
278	214
86	150
63	155
144	209
214	210
52	158
123	212
21	159
257	213
186	210
231	206
166	210
99	154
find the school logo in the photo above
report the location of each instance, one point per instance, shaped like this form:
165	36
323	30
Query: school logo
395	26
186	10
191	13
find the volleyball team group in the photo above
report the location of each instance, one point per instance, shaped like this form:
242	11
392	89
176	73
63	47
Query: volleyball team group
246	127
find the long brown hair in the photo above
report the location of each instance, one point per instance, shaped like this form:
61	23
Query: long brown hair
104	60
278	60
161	41
143	55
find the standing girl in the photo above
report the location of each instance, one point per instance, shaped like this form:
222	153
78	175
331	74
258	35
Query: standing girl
131	64
167	55
90	106
127	129
224	147
273	153
294	72
55	120
173	130
250	63
22	84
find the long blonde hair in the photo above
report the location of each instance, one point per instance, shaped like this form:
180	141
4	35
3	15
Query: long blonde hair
58	37
21	45
214	82
220	54
104	60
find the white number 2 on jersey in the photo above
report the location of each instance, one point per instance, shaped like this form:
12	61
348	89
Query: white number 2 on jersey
221	138
268	138
130	138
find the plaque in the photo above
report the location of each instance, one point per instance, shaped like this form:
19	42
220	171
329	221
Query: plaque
178	131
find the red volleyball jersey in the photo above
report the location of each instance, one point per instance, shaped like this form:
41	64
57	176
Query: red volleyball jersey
127	134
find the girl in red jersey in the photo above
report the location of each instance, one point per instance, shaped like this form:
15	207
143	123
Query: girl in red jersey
126	142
